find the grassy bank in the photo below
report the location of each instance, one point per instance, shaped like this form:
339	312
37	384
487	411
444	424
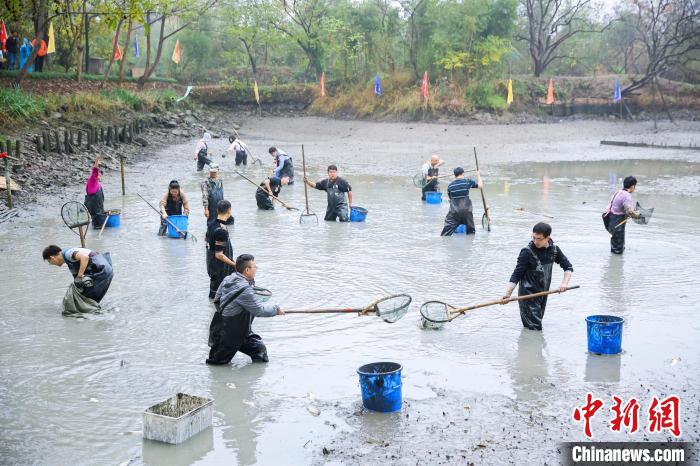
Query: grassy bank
87	77
22	107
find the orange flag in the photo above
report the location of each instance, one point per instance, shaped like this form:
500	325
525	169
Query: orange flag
117	50
177	52
323	84
424	86
550	93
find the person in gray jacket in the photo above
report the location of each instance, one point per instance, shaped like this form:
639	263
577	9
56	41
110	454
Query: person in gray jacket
236	306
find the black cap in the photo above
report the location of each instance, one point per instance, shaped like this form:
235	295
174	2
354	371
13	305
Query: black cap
458	171
174	184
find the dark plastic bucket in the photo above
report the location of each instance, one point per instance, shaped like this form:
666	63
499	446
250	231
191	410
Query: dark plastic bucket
433	197
380	383
604	334
358	214
461	229
180	221
114	219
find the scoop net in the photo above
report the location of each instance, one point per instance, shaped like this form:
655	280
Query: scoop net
390	309
263	294
75	214
419	180
434	314
645	215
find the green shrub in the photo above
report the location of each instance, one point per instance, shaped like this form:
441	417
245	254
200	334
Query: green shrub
19	105
484	96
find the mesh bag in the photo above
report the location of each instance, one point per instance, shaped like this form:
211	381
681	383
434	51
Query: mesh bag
391	308
75	214
645	215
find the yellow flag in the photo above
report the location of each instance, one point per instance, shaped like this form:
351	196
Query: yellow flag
255	90
177	52
51	48
509	99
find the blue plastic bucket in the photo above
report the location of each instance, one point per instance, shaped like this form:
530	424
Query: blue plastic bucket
358	214
380	383
604	334
461	229
114	219
433	197
180	221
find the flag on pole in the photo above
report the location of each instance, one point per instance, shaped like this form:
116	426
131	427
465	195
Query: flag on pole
117	50
550	93
136	47
255	91
617	96
3	36
377	85
509	99
424	88
51	47
177	52
323	84
187	92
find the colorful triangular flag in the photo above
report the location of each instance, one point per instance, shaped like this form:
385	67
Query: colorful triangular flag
550	93
377	85
323	84
255	91
424	88
3	36
177	52
117	50
51	47
509	98
136	47
617	96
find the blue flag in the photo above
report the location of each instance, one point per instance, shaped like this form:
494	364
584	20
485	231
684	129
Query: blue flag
377	85
136	47
617	97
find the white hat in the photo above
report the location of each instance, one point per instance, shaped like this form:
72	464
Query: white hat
213	168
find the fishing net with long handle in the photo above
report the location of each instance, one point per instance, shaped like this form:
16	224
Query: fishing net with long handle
645	215
435	313
390	308
306	216
420	180
75	215
263	294
485	218
288	207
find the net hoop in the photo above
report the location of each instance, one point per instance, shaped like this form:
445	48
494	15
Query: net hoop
75	214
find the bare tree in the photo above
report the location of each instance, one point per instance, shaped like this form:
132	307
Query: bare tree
670	33
550	23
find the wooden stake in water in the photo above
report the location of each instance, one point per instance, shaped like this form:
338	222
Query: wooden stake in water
121	166
8	173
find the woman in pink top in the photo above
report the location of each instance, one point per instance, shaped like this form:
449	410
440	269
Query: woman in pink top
94	197
621	206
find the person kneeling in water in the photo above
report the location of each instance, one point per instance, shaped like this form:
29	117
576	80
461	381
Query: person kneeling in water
236	306
270	186
92	274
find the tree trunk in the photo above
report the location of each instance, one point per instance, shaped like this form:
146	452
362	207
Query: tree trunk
114	50
250	57
126	51
150	69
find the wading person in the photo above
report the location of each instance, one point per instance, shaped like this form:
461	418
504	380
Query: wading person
461	209
92	274
173	203
271	186
212	189
534	274
284	166
430	175
219	249
201	152
621	206
335	188
236	306
94	196
238	148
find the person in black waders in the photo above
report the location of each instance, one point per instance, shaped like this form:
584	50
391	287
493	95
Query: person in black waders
461	209
201	152
236	306
335	188
212	190
173	203
219	249
284	165
534	274
430	172
621	206
92	272
94	196
271	185
238	147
